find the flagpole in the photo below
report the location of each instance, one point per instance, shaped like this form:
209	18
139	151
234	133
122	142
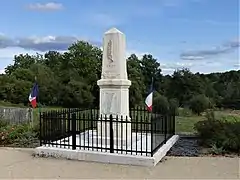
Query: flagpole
152	95
38	104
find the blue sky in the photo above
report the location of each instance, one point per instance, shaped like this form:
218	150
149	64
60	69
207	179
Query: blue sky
202	35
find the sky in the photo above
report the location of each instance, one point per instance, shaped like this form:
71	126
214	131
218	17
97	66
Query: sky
202	35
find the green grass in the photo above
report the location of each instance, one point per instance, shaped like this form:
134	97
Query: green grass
8	104
186	124
185	121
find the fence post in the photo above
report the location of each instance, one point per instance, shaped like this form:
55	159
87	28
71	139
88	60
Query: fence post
74	131
111	135
151	135
174	125
165	128
40	128
69	121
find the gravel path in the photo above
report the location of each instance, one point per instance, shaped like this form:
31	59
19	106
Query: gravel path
20	164
185	146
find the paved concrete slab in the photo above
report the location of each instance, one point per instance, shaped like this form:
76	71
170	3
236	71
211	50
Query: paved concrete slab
19	163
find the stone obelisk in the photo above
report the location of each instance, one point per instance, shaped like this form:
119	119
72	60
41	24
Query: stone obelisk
114	84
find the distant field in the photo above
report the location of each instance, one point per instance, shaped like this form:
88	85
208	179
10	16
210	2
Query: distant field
8	104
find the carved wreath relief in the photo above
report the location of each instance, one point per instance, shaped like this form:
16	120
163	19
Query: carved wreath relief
110	66
109	51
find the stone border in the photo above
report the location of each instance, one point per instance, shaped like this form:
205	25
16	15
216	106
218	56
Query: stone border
94	156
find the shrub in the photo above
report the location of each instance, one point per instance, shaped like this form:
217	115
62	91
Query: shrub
3	123
199	103
173	105
21	135
219	134
161	104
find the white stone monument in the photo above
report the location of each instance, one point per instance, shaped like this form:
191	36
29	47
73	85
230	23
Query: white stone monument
114	85
114	99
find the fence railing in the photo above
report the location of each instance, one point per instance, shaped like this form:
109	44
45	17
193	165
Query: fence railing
140	134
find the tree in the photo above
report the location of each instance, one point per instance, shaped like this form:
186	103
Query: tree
184	85
135	75
160	104
151	69
199	103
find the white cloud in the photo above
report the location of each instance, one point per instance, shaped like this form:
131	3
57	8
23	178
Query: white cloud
2	71
224	48
177	65
50	6
45	43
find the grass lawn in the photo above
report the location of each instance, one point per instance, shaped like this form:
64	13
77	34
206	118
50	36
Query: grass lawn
8	104
186	124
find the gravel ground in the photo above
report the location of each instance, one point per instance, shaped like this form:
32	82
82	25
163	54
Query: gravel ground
186	146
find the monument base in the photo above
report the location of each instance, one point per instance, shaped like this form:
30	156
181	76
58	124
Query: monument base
122	132
92	152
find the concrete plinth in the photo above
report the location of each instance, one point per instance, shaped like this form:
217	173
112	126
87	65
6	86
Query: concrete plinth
98	154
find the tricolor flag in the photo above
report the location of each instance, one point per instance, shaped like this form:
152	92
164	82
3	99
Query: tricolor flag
33	95
149	99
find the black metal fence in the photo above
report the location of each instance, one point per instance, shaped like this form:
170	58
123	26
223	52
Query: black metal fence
142	133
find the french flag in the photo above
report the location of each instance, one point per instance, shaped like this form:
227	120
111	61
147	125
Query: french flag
149	99
33	95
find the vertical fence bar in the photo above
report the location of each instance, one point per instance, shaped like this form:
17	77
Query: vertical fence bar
141	131
101	117
151	121
136	131
106	133
127	134
68	121
165	129
40	128
88	129
74	131
92	124
146	132
174	125
84	130
69	125
51	128
122	133
117	121
111	135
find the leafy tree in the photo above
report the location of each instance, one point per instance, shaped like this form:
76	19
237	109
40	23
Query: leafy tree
135	75
199	103
160	104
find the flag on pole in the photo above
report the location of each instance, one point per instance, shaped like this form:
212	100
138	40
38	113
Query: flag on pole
33	95
149	99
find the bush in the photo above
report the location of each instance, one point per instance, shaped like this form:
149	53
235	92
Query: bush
18	135
3	123
173	105
199	104
219	134
161	104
